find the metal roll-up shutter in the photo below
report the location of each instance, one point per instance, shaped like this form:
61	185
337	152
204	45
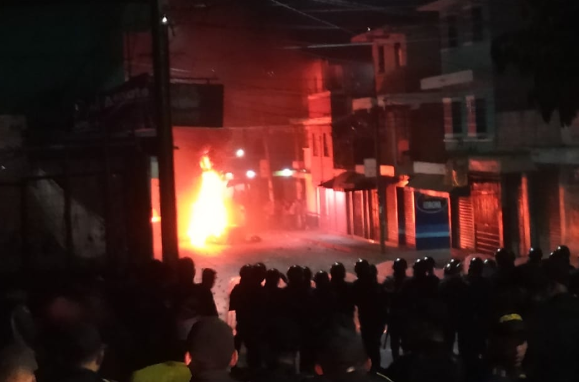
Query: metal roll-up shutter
487	216
409	217
466	223
358	212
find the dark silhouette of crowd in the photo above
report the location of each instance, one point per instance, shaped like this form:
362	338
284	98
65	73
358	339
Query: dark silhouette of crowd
484	320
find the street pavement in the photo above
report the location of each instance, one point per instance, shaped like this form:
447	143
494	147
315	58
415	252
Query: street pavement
281	249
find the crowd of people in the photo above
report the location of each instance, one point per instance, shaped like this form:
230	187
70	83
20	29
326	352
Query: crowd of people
483	321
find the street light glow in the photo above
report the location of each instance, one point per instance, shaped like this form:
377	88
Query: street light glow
250	174
286	172
240	153
164	20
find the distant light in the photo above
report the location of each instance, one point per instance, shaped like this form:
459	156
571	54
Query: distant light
286	172
240	153
165	20
250	174
369	29
229	176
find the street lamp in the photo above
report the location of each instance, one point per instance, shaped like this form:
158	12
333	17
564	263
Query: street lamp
240	153
250	174
286	172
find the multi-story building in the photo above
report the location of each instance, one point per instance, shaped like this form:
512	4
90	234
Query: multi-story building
411	134
521	170
337	198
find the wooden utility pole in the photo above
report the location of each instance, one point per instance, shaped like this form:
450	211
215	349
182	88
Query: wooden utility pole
160	37
375	113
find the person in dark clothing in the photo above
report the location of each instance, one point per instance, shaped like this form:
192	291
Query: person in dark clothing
531	275
397	307
307	277
563	254
553	330
369	299
212	351
282	345
507	296
506	350
430	264
343	291
247	299
490	268
260	271
79	353
428	359
422	285
453	293
208	278
342	358
17	363
476	318
192	295
273	295
325	302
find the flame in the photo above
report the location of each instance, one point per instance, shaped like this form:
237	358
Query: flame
209	213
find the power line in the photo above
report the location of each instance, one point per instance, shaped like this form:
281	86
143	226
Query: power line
311	17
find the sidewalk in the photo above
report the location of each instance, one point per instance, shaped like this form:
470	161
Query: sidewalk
364	248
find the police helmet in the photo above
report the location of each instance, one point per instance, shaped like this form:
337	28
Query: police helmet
430	264
535	254
453	267
338	271
476	266
295	274
321	278
362	267
400	265
504	257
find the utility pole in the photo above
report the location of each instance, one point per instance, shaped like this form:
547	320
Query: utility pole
375	114
160	37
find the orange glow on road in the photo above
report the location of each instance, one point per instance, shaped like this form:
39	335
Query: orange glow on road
209	213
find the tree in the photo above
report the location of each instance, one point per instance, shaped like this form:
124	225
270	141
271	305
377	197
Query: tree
545	48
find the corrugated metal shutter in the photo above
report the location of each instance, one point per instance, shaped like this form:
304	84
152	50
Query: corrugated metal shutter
487	216
357	204
375	216
409	218
547	205
554	215
466	223
391	213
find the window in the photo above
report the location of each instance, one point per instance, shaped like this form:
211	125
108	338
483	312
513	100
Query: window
477	24
456	117
325	145
452	31
381	64
315	150
481	115
397	55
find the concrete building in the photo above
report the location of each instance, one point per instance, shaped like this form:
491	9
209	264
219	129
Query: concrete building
520	170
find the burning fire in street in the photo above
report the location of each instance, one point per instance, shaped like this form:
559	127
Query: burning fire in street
209	212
